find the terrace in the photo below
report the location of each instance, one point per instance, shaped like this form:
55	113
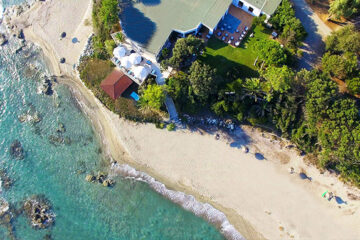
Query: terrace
234	27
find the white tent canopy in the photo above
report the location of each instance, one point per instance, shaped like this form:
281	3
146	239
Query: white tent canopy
135	58
119	52
141	72
126	63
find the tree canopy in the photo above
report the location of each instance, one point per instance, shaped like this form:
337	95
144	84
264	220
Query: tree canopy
270	52
184	51
347	39
202	79
344	8
153	96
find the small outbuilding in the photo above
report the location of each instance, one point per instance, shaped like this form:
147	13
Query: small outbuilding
116	83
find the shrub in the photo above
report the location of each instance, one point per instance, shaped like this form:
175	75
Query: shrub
160	125
170	127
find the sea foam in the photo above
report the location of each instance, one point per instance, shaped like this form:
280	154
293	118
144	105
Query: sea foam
188	202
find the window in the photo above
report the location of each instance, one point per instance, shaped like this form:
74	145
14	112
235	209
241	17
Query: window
240	4
251	9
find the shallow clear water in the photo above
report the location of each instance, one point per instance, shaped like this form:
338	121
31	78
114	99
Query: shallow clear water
129	210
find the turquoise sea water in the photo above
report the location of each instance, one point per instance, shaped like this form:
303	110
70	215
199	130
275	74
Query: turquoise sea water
129	210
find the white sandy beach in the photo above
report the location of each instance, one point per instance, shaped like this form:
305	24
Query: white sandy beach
259	197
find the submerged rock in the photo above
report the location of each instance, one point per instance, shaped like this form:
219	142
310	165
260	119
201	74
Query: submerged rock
3	39
6	182
16	150
61	128
90	178
4	207
108	183
39	211
30	117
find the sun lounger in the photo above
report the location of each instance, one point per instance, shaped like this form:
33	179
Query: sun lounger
246	28
223	38
229	42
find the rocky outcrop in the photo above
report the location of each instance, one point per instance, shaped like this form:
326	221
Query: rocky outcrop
101	178
29	116
57	140
39	211
16	150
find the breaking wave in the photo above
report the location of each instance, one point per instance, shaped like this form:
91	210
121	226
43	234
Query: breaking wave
188	202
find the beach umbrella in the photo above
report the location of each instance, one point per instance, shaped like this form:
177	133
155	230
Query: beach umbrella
135	58
119	52
141	72
63	34
126	63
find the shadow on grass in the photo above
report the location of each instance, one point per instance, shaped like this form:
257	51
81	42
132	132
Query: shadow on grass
223	65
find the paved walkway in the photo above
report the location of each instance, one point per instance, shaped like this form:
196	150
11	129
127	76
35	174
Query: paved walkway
317	32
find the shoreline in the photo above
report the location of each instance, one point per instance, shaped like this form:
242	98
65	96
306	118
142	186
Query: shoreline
137	145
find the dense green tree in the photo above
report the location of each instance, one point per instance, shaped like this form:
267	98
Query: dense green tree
344	8
353	85
284	112
184	51
283	15
153	96
179	88
270	52
344	40
279	79
341	66
202	79
293	33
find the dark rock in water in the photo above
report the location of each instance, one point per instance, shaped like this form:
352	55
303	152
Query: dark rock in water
39	211
62	60
47	237
3	39
108	183
16	150
47	86
61	128
90	178
20	34
56	140
67	140
6	182
101	177
63	34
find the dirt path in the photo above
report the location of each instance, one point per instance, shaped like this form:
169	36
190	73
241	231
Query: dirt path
317	32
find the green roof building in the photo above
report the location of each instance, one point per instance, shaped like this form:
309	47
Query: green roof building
149	23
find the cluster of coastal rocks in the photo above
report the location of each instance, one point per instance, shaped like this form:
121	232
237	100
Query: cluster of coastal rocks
16	150
88	49
58	138
39	211
47	85
210	121
101	178
30	116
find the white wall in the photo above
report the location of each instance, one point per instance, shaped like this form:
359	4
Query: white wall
246	7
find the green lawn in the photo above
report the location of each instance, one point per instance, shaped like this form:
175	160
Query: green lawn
224	57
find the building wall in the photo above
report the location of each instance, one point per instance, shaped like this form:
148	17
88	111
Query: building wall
246	7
